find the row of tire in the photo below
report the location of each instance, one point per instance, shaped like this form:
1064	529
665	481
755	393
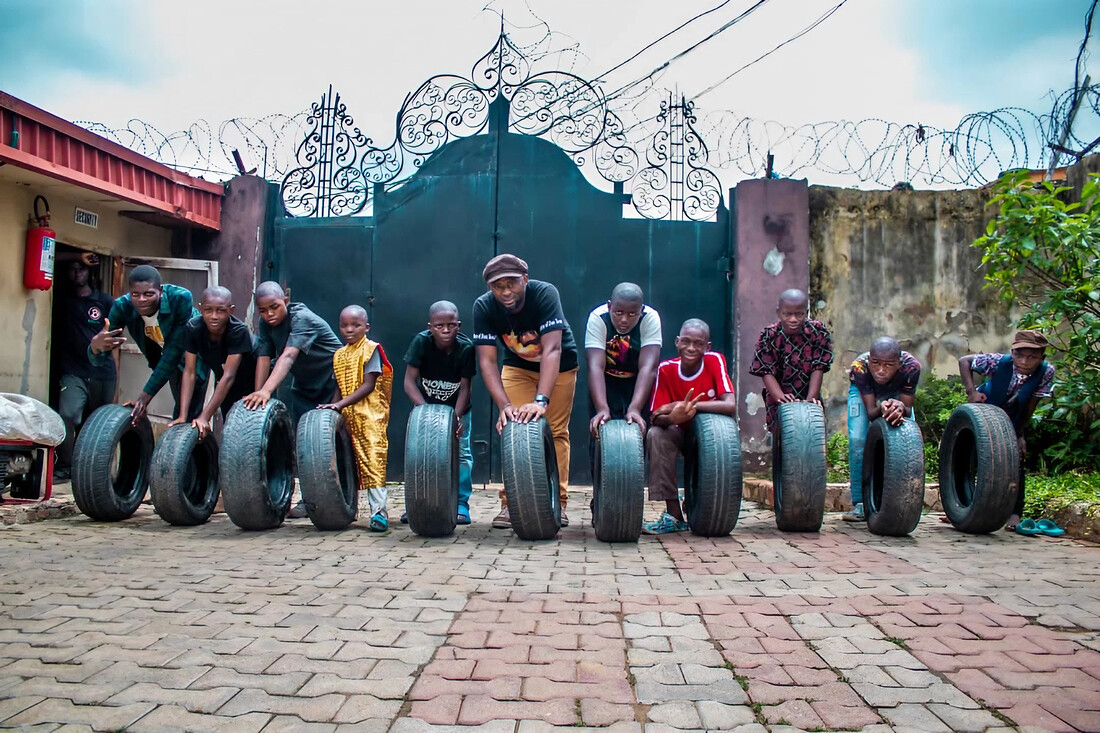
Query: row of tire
114	461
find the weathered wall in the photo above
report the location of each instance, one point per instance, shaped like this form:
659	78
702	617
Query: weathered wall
25	327
772	235
900	263
238	247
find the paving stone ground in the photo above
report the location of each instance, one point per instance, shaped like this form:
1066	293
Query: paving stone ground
140	626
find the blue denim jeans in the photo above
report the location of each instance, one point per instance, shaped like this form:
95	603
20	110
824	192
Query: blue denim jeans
465	466
858	425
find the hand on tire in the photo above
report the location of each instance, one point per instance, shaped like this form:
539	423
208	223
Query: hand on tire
597	420
633	416
975	396
202	425
529	412
257	400
893	412
140	405
508	413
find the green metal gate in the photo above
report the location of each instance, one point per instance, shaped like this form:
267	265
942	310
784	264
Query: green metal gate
470	177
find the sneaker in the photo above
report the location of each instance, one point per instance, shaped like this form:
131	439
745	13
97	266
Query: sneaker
463	515
298	511
502	520
564	518
667	523
380	521
856	515
404	517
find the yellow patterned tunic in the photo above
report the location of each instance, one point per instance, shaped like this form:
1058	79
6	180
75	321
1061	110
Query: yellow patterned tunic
368	418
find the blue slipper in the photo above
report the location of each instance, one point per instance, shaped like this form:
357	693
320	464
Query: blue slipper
1049	528
379	522
1027	527
463	516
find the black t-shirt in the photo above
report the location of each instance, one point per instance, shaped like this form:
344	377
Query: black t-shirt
521	333
235	340
309	333
441	374
84	317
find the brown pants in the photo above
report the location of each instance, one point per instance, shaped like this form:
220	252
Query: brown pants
521	386
663	446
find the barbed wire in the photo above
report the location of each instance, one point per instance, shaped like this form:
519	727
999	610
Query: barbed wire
876	151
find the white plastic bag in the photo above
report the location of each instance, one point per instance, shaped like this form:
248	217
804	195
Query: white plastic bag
25	418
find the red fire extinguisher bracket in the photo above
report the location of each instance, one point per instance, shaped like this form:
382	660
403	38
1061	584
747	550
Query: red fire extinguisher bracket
41	250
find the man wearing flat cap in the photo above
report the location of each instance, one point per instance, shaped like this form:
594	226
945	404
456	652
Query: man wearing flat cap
540	358
1016	383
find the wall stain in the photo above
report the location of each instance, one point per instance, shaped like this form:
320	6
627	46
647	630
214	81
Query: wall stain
30	312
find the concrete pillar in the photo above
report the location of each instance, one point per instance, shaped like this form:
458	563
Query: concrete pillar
772	235
239	246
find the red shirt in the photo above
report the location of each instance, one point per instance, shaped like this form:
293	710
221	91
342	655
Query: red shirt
711	381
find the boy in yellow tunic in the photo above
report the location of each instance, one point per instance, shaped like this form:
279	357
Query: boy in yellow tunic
364	379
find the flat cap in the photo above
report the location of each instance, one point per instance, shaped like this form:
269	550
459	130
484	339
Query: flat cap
1028	339
504	266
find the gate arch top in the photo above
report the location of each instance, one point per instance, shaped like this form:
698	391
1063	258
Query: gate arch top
338	165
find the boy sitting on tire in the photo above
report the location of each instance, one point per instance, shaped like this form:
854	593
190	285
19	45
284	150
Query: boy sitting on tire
695	381
792	355
365	380
440	365
1016	383
883	384
156	316
222	341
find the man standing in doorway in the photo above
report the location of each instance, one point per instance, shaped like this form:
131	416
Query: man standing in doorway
540	358
83	386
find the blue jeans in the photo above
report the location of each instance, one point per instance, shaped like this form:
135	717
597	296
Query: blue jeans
858	425
465	466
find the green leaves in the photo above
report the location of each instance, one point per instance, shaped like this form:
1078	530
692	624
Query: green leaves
1042	253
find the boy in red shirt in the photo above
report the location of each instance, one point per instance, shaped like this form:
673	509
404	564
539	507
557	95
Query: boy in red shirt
696	381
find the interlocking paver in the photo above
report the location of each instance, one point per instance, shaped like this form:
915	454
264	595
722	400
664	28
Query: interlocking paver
300	630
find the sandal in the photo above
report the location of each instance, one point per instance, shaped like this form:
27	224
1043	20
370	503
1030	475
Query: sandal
1049	527
1027	527
379	522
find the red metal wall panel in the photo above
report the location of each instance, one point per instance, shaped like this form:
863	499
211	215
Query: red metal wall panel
59	149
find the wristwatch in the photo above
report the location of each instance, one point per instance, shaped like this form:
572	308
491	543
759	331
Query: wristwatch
543	400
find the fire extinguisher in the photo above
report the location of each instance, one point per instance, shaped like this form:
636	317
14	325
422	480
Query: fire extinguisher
41	247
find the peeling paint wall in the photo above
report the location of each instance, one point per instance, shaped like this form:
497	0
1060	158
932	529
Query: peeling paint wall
901	264
771	228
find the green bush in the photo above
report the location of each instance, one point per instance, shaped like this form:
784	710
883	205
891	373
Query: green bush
1042	252
937	398
836	457
1047	494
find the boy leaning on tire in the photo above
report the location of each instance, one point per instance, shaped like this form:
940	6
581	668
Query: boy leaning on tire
696	381
792	355
883	384
1016	383
440	366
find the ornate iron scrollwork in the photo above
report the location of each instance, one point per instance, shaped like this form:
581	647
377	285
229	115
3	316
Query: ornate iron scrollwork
676	184
338	164
327	181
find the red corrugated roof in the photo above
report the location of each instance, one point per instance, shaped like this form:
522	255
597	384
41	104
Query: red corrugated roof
57	148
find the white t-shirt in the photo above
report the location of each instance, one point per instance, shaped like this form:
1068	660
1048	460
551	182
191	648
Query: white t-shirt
595	333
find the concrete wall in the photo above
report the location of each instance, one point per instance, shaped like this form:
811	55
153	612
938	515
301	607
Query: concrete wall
238	248
771	231
25	325
900	263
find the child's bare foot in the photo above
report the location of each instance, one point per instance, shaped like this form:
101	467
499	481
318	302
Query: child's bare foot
1010	526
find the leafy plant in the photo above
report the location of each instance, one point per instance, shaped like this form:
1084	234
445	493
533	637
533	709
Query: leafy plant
1047	494
936	399
836	458
1042	252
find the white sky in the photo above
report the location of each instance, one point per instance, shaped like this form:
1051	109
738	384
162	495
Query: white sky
171	63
